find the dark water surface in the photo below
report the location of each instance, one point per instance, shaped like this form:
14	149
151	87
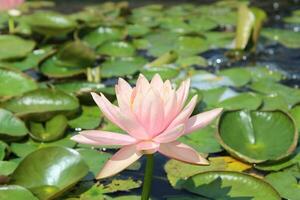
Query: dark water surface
274	56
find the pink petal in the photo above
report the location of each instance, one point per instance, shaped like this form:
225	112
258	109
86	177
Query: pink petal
83	140
182	93
170	135
170	108
185	113
120	161
182	152
125	121
108	138
142	84
9	4
123	93
201	120
147	147
157	82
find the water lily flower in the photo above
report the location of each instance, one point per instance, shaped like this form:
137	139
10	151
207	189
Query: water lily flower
154	115
9	4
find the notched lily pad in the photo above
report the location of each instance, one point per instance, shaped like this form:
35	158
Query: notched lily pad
8	192
117	49
254	136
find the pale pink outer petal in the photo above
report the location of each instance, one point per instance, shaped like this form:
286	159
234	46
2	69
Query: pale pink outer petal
123	93
170	108
83	140
120	161
108	138
184	114
182	152
9	4
182	93
170	135
125	121
201	120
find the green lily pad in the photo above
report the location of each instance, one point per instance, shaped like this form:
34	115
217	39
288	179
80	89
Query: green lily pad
230	185
274	102
22	149
54	129
14	47
288	38
192	60
41	103
285	183
202	140
50	23
7	168
117	49
3	150
65	167
76	54
10	126
166	72
31	61
254	136
213	97
188	46
52	68
8	192
137	30
262	73
94	159
117	67
290	95
178	172
203	23
81	87
249	101
102	35
295	112
90	118
14	83
239	76
219	39
122	185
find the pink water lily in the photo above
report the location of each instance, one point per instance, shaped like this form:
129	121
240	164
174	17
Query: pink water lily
9	4
154	116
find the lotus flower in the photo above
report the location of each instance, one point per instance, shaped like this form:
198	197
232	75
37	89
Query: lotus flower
154	116
9	4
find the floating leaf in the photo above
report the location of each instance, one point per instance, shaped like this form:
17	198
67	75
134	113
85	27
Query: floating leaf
42	103
286	184
64	166
54	129
239	76
76	54
14	47
228	185
10	126
50	23
9	192
288	38
254	137
117	49
7	168
14	83
3	149
249	101
90	118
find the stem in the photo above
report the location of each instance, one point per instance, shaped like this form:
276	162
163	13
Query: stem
148	177
11	25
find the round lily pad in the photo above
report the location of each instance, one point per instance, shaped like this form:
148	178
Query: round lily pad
9	192
14	83
14	47
42	103
253	136
90	118
101	35
239	76
50	23
65	167
11	126
249	101
117	67
165	71
288	38
230	185
117	49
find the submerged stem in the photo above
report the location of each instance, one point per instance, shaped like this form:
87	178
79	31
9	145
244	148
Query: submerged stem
148	177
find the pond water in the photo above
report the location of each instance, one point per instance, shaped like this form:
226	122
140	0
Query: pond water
259	80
